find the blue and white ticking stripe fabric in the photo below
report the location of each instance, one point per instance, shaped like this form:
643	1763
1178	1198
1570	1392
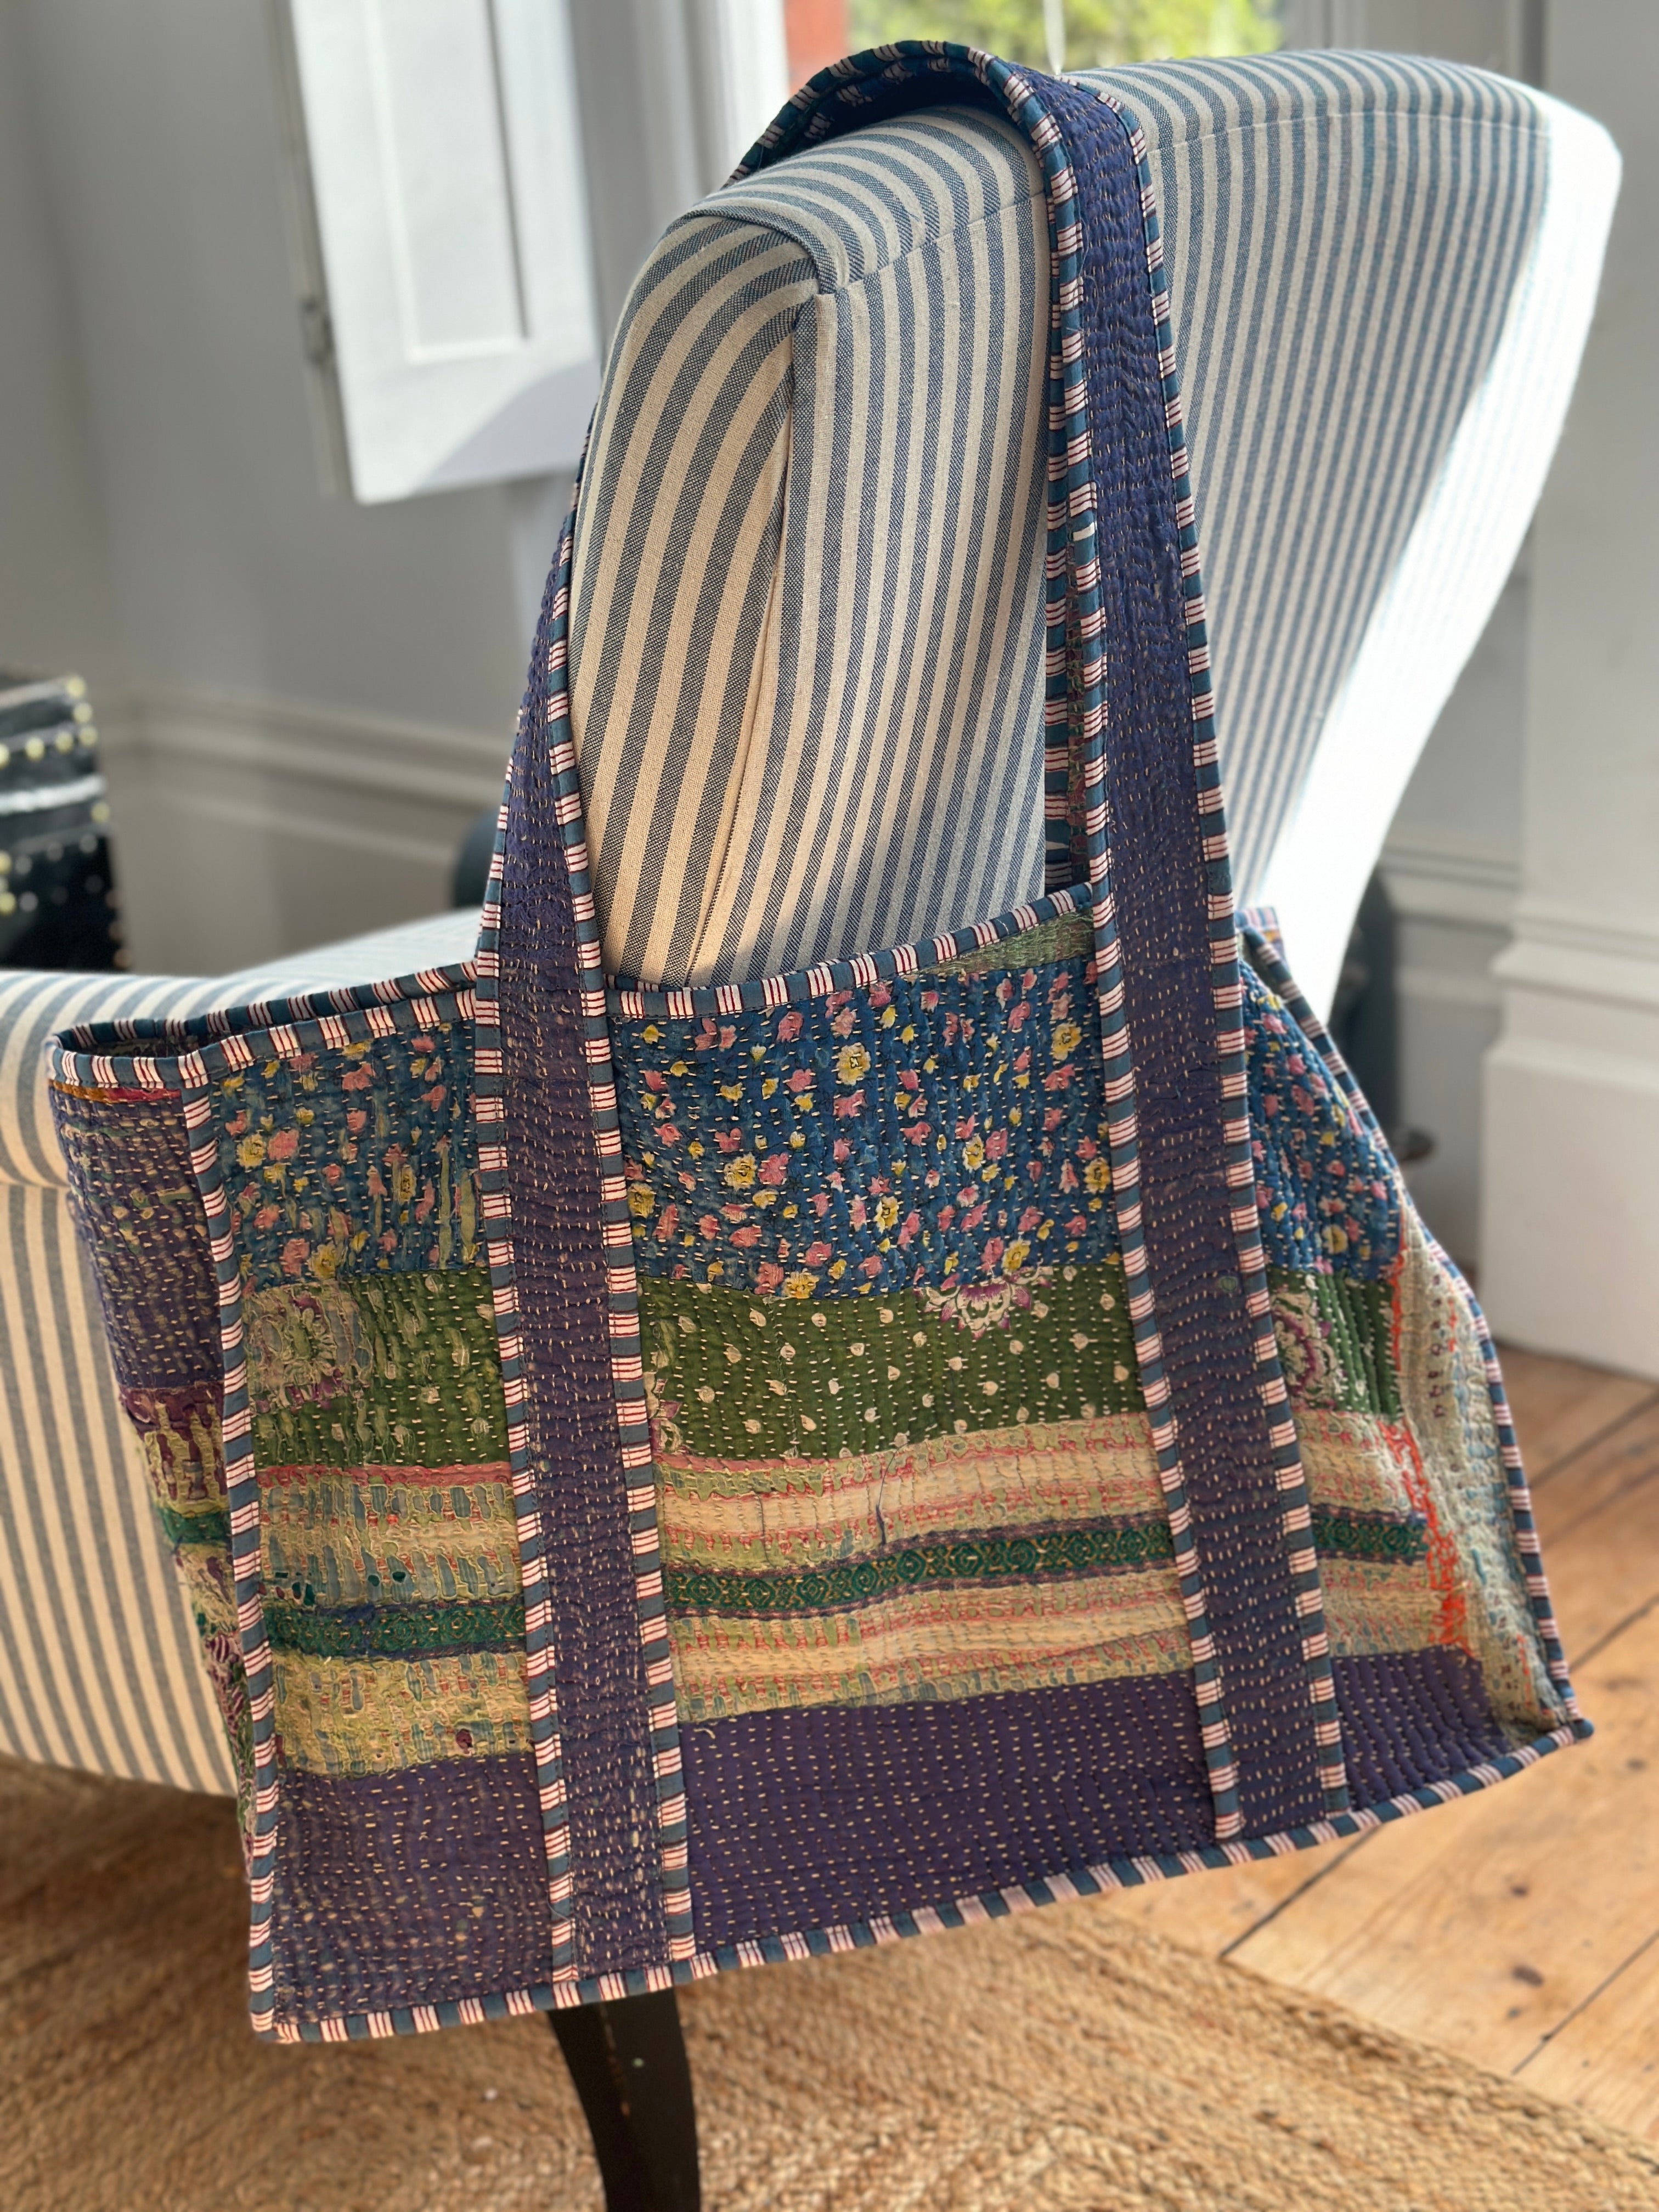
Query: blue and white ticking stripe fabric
98	1662
807	608
99	1666
807	634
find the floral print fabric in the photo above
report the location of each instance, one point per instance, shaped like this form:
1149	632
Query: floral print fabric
947	1129
356	1160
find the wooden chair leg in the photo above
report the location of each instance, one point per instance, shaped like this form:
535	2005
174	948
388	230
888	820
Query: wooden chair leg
628	2062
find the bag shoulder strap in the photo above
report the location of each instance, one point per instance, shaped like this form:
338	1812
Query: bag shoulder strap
1128	682
1132	766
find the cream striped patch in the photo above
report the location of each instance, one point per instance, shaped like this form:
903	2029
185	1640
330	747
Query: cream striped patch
1371	1608
769	1516
1459	1472
1354	1461
752	1516
933	1643
389	1535
727	1517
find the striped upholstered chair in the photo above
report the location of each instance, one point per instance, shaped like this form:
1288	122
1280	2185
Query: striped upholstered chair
807	633
806	642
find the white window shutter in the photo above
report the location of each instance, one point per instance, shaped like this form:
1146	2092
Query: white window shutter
447	173
746	62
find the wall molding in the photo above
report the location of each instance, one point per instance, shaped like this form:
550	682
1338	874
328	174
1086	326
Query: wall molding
240	814
248	828
1571	952
1570	1198
338	748
1440	876
1415	979
1453	896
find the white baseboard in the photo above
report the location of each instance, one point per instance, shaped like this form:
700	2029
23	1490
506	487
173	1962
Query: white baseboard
1570	1232
1452	899
1442	876
250	828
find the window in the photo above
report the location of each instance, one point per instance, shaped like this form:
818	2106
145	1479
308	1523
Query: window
444	169
1068	33
450	156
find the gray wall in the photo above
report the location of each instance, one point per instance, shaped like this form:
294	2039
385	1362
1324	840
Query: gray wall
305	700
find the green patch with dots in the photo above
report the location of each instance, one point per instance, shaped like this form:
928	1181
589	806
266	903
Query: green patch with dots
737	1375
1067	937
382	1371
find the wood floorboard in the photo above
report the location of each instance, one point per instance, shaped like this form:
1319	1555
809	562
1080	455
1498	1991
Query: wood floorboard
1519	1928
1606	2056
1483	1925
1603	1565
1610	1466
1560	1406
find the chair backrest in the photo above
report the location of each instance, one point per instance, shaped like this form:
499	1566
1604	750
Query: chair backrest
806	637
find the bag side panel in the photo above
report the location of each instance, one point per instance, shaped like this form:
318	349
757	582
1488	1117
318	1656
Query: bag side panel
136	1207
927	1638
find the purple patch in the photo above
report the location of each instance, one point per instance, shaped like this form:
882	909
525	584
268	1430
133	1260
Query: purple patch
409	1888
809	1818
1412	1717
133	1195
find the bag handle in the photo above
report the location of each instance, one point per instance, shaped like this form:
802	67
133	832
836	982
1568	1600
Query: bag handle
1132	764
1137	789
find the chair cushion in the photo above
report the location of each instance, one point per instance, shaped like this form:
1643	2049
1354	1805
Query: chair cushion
806	633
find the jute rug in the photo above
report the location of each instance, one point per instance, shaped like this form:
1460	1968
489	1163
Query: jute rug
1064	2060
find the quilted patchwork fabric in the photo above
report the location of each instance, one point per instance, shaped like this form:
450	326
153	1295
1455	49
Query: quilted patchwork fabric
701	1476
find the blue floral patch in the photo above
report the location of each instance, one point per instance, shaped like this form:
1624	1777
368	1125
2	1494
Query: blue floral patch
359	1159
946	1128
940	1128
1325	1190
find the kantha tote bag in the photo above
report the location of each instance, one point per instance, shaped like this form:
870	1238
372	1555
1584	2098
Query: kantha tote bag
675	1478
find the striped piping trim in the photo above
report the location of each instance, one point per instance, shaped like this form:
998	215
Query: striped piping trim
1227	990
101	1055
1117	1874
182	1033
1261	929
246	1574
630	1001
626	1356
1058	568
489	1111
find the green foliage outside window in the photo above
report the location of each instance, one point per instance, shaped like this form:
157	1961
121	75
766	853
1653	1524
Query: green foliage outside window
1097	31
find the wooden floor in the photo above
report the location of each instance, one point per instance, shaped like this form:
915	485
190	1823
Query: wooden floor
1518	1929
